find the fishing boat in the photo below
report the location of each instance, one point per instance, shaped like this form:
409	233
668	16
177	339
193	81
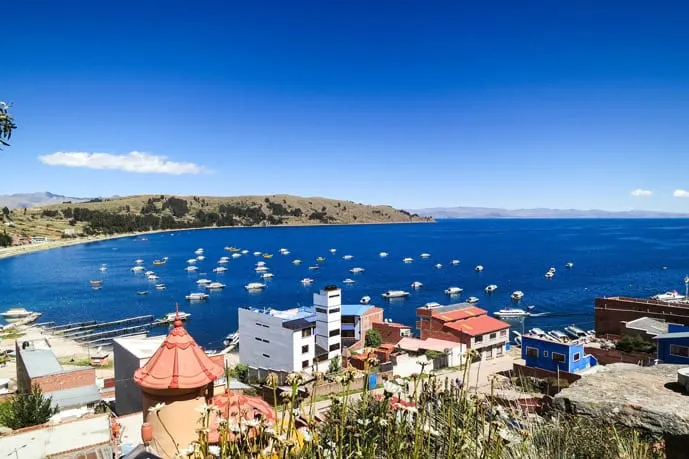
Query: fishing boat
320	260
407	260
198	251
233	249
296	262
365	299
348	281
96	283
348	257
219	269
357	270
454	262
137	269
393	294
491	288
158	262
171	317
569	265
472	300
453	290
16	313
416	284
478	268
255	286
425	255
142	292
438	266
511	313
306	281
575	332
197	296
215	286
517	295
267	255
383	254
161	286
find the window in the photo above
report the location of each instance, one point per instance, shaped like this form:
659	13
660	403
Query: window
478	339
531	352
405	332
335	332
332	311
322	310
305	333
576	357
545	353
493	335
258	338
334	347
266	356
348	319
259	324
503	332
305	349
348	334
305	364
679	351
499	350
559	357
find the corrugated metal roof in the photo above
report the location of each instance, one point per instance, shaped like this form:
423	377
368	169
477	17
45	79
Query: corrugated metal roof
649	325
298	324
672	335
354	309
39	362
75	397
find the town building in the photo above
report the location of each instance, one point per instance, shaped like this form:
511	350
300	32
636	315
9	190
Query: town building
673	346
555	356
467	324
645	328
392	332
131	353
70	389
451	352
611	313
357	319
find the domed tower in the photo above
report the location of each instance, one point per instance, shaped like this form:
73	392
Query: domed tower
181	376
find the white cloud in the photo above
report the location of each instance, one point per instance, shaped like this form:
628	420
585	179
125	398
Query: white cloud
681	194
142	163
641	193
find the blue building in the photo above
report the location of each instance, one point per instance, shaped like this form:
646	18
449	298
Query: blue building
673	346
555	356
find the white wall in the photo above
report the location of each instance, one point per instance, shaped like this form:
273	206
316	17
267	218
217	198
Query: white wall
406	365
277	347
54	439
330	300
127	392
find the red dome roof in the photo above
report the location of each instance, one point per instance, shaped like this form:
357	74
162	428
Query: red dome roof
179	363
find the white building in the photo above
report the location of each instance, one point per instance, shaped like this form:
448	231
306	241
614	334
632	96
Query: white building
292	340
130	353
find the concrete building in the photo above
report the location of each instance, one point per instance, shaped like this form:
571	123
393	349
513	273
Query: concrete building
555	356
69	389
328	304
357	319
673	347
467	324
645	327
611	313
453	352
392	332
130	354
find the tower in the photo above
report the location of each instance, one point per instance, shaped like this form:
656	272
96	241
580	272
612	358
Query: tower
327	304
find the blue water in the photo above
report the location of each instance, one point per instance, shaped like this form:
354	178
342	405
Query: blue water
611	257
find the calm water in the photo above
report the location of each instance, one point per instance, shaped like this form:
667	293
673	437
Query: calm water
610	257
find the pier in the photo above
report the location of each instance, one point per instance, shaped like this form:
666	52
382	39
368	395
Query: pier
57	328
100	337
78	331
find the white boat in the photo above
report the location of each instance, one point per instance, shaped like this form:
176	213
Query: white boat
348	281
538	332
152	277
203	281
383	254
149	273
231	340
306	281
511	312
267	275
191	268
219	269
416	284
102	269
170	317
438	266
191	261
198	251
139	261
261	269
453	290
558	335
197	296
296	262
236	255
569	265
392	294
314	268
407	260
16	313
549	275
491	288
222	261
258	254
215	286
425	255
137	269
454	262
283	250
348	257
517	295
200	258
161	286
260	263
365	299
431	305
472	300
478	268
575	332
517	337
333	250
255	286
551	270
356	270
668	296
244	252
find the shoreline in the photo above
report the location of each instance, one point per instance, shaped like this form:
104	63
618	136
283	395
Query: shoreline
14	251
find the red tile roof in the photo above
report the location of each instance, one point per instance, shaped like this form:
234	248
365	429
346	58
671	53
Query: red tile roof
478	325
459	314
179	363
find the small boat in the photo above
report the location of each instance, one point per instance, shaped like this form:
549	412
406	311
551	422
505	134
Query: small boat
383	254
517	337
260	263
551	269
215	286
668	296
314	268
258	254
234	249
365	299
102	269
171	317
306	281
320	260
160	286
511	312
478	268
267	255
491	288
454	262
559	336
137	269
296	262
348	257
255	286
244	252
191	261
231	340
407	260
549	275
149	273
267	275
357	270
348	281
96	287
236	255
431	305
438	266
416	284
197	296
569	265
333	250
575	332
203	281
219	269
139	261
425	255
472	300
191	268
96	283
152	277
158	262
142	292
222	262
453	290
517	295
224	258
198	251
261	269
200	258
16	313
538	332
283	250
392	294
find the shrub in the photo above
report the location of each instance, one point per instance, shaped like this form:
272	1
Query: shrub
28	409
634	343
373	338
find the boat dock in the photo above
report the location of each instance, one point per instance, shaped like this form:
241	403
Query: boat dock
57	328
84	329
100	337
97	333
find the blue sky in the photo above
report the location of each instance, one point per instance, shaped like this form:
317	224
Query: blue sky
414	104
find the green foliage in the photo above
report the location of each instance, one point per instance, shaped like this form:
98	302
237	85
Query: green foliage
6	211
28	409
334	365
5	239
373	338
432	355
240	372
634	343
6	124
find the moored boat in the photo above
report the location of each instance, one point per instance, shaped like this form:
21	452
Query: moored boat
215	286
197	296
454	262
511	312
425	255
96	283
575	332
255	286
416	284
348	281
517	295
383	254
365	299
559	336
306	281
569	265
357	270
348	257
161	286
478	268
472	300
393	294
16	313
491	288
170	317
407	260
453	290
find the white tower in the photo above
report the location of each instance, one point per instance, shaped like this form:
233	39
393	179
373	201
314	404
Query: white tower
327	304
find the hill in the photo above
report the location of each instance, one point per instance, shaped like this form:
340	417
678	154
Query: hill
44	198
490	212
161	212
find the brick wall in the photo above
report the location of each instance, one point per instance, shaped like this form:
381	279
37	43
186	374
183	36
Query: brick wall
523	370
610	312
66	380
389	332
608	356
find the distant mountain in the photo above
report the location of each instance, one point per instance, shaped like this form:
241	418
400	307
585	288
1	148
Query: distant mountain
24	200
490	212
